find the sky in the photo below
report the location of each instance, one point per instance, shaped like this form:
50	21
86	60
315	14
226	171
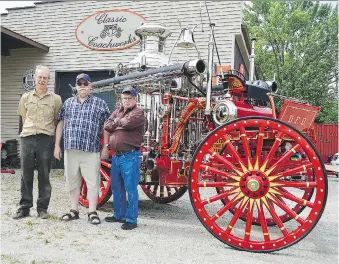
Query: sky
9	4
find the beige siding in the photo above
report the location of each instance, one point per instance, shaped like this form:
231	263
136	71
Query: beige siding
54	24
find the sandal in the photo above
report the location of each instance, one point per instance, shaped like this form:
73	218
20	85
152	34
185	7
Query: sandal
93	218
72	215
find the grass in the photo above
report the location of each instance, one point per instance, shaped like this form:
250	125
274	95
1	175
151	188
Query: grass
57	173
8	259
29	225
53	217
59	236
8	213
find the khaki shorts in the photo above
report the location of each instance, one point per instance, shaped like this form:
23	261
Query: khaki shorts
82	163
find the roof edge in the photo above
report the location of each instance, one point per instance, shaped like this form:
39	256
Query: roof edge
24	39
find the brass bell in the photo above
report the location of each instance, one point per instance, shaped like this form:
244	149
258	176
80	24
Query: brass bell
186	39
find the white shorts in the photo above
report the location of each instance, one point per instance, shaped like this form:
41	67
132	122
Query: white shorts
82	163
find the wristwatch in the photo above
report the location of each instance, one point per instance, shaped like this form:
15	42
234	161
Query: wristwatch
106	145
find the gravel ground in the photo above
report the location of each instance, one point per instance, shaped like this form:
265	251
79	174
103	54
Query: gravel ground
166	234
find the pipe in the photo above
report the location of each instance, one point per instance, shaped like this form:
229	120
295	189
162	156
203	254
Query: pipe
189	68
209	72
252	56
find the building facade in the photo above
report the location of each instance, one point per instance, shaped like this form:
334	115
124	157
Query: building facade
51	31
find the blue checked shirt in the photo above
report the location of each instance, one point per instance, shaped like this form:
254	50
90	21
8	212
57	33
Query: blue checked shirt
83	123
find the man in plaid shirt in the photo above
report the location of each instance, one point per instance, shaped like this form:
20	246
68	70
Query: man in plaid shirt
81	121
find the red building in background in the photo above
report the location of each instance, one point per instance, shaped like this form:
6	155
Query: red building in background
327	139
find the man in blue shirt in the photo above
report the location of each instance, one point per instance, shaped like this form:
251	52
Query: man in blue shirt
81	121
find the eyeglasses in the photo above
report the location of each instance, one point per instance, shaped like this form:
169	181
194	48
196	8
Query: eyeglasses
82	83
127	98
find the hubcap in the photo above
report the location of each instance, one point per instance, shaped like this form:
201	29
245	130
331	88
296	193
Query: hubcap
253	185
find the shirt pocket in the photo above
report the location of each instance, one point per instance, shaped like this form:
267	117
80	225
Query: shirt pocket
48	111
31	109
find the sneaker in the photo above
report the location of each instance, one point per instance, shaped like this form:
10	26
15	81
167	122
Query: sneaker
112	219
43	214
128	226
21	213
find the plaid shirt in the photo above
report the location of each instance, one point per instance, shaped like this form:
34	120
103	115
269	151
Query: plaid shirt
83	123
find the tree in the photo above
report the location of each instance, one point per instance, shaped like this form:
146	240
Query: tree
298	42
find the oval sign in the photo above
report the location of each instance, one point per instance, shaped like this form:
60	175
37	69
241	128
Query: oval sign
109	30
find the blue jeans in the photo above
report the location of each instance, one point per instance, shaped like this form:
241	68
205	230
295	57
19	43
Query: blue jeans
125	178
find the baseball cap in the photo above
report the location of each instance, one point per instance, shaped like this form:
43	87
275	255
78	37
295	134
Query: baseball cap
130	90
83	76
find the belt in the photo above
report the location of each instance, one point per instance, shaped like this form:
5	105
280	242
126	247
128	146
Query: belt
119	153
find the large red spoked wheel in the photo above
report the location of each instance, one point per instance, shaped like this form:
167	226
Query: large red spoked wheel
105	192
163	194
256	184
307	194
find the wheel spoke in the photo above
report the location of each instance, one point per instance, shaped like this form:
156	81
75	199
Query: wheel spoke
236	216
296	170
283	159
245	144
219	196
213	176
216	171
262	219
234	153
104	174
161	191
300	185
168	195
102	187
106	164
275	217
83	189
168	189
229	165
217	184
155	190
284	207
231	203
249	220
284	193
270	155
260	142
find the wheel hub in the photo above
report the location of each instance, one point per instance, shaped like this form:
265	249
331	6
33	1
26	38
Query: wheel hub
254	184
